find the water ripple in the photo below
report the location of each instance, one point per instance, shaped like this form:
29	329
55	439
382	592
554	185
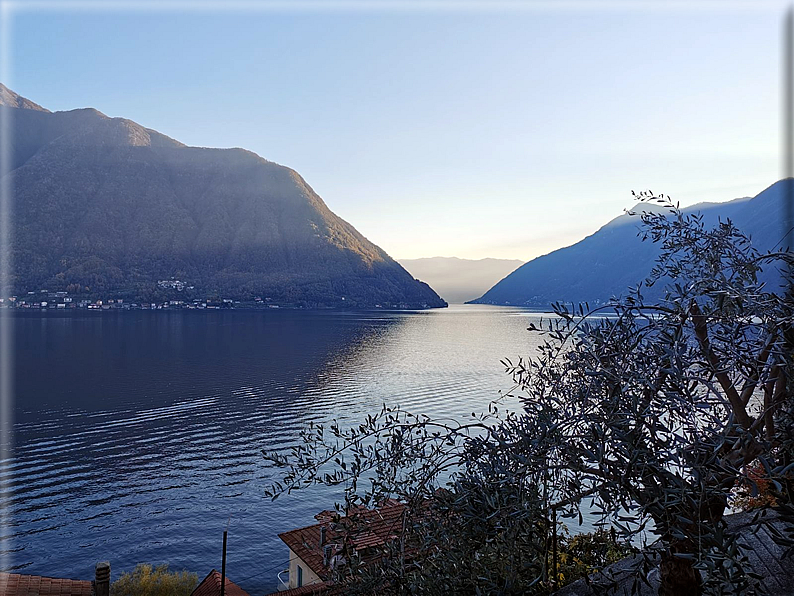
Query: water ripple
146	434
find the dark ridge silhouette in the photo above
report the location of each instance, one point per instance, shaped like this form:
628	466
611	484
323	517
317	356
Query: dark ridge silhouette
608	262
104	206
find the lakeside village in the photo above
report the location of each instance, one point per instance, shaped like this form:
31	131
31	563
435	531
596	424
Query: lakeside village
61	300
45	299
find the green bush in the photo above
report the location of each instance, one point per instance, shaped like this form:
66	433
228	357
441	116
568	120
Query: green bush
583	554
146	580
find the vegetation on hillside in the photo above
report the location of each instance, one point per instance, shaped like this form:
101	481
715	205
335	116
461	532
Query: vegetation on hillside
646	415
105	208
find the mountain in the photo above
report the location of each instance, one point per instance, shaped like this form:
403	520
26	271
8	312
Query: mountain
105	206
12	100
458	280
614	258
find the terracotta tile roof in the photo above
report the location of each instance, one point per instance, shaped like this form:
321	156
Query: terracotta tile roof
14	584
325	515
211	586
377	526
367	539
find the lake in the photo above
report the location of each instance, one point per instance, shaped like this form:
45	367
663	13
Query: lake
138	435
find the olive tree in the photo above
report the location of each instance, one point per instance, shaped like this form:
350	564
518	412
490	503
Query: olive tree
646	413
659	408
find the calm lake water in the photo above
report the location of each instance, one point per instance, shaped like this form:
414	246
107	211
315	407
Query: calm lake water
138	435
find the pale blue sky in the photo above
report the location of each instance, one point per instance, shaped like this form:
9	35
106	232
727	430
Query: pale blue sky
472	132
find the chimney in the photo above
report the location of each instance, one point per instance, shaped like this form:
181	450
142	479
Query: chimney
102	579
327	554
322	535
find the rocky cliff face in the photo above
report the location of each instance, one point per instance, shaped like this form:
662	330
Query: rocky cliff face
105	206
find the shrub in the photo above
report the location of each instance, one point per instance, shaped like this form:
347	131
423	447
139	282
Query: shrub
146	580
584	554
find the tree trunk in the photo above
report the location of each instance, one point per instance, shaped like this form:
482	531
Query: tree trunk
678	577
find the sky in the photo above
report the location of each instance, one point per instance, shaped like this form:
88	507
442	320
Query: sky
473	130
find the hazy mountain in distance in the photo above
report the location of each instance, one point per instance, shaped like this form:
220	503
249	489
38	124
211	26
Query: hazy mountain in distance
614	258
105	206
458	280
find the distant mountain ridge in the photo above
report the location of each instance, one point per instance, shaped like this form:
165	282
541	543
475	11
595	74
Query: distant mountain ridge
608	262
106	206
459	280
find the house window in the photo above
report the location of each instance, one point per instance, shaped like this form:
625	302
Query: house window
300	576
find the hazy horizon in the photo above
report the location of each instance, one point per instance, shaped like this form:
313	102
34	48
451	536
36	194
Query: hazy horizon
471	133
